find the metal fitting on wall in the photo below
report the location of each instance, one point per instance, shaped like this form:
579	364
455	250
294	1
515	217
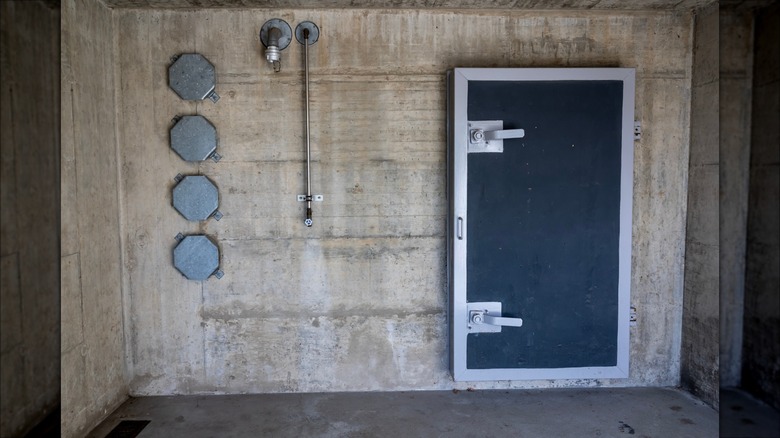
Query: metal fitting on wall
275	35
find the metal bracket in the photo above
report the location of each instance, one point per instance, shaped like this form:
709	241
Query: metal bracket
486	317
318	198
489	136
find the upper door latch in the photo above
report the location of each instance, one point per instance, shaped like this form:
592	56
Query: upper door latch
489	135
486	317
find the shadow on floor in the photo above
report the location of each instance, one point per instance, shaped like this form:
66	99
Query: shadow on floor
48	427
743	416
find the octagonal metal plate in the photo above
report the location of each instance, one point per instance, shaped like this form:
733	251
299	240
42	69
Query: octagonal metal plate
193	77
194	138
196	257
196	198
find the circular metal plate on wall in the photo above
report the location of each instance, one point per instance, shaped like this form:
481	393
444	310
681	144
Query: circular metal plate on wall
193	77
196	257
280	24
314	32
194	138
196	198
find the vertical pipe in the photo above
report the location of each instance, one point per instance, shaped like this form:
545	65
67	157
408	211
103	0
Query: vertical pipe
308	138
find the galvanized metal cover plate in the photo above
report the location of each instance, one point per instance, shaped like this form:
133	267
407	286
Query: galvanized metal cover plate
196	198
196	257
193	77
194	138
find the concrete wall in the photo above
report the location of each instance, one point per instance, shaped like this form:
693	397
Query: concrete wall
93	371
761	343
699	372
736	87
29	138
641	5
358	302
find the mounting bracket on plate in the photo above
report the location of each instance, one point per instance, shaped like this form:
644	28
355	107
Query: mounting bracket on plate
489	135
318	198
486	317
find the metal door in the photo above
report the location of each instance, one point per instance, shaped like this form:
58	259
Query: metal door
540	193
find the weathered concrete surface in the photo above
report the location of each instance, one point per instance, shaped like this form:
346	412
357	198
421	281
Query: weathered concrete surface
699	372
657	412
642	5
736	77
358	301
29	142
93	371
761	342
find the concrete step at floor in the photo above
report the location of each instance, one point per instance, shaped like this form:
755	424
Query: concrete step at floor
596	412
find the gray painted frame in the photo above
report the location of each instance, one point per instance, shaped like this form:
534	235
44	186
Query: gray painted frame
457	150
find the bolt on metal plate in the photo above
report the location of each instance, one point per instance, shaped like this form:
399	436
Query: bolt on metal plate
194	138
193	77
196	198
197	257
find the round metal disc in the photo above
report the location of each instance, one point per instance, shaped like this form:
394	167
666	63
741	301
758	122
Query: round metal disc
282	25
314	32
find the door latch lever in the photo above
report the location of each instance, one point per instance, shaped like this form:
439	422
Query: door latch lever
486	317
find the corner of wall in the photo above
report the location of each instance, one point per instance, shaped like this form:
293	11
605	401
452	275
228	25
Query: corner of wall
126	317
94	374
700	342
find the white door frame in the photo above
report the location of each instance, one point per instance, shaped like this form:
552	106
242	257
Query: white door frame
457	229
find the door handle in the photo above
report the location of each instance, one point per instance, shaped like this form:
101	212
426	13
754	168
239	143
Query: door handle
504	134
479	317
478	136
487	317
489	135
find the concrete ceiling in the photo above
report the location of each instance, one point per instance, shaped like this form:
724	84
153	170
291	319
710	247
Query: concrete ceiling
415	4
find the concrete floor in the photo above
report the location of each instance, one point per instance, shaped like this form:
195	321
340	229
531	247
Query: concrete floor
600	412
741	415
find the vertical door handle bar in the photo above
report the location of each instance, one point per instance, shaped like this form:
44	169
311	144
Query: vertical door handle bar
460	228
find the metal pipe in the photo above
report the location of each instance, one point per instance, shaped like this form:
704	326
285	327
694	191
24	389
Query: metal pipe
272	52
274	35
308	220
